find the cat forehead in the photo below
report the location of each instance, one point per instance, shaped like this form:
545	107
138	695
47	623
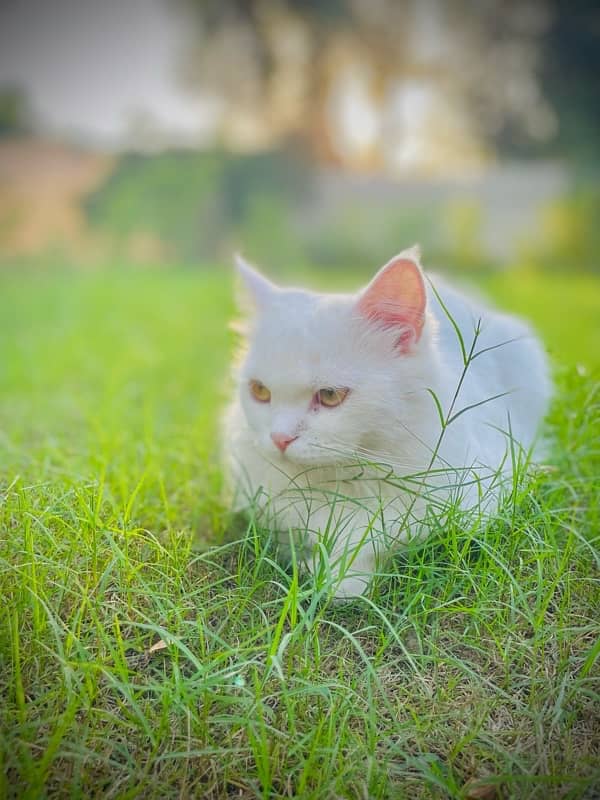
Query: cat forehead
302	333
301	315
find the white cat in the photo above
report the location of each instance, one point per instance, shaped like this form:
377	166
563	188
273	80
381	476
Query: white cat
346	430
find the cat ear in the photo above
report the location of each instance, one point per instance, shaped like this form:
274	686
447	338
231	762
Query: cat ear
396	298
259	289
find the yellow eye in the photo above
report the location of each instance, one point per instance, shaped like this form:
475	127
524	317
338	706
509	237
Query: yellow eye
260	392
331	397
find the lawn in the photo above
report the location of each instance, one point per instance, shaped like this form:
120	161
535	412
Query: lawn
151	646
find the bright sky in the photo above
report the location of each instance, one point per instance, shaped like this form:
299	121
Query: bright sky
89	66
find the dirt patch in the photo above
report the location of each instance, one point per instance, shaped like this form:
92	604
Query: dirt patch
42	185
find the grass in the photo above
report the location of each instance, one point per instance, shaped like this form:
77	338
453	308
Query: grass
149	646
565	309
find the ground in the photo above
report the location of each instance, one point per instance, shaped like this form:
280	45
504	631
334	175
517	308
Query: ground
152	646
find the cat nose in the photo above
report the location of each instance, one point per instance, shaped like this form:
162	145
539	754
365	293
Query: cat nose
282	440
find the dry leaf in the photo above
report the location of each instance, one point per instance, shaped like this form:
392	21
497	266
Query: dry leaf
478	790
160	645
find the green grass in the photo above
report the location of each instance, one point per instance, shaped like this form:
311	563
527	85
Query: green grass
478	659
566	310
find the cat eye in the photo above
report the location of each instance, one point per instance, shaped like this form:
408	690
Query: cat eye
259	392
331	397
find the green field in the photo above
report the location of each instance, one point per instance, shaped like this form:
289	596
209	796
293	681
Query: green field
479	659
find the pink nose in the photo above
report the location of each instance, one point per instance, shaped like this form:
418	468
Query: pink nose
282	440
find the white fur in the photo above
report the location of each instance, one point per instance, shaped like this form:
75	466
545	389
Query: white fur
379	448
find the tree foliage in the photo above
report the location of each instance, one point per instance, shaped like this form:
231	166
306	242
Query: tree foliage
456	76
14	112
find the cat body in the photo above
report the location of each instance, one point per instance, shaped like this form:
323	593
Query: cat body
346	430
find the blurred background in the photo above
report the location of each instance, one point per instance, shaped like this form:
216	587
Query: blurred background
310	134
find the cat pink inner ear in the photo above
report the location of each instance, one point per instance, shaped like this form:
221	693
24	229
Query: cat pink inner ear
396	298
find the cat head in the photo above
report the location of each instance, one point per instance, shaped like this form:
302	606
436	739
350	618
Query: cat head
327	377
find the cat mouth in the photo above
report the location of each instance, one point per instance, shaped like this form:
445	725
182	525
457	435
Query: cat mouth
306	455
309	460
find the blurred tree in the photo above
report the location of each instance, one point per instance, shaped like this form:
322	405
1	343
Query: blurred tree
571	76
195	202
14	112
568	75
417	83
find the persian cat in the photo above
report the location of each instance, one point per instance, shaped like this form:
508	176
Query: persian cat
360	419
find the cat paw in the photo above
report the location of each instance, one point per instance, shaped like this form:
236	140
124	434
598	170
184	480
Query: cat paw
350	587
